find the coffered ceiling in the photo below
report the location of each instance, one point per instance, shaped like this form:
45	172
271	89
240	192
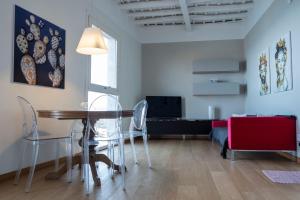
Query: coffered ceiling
187	13
163	21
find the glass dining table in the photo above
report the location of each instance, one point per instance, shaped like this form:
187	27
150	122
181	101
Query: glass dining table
94	157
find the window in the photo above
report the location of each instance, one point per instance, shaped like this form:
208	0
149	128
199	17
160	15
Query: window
103	71
102	76
104	66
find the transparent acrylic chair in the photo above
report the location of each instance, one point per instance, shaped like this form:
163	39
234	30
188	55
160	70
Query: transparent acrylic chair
103	130
138	128
76	130
32	136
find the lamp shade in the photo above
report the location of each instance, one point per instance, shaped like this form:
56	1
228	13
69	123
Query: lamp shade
91	42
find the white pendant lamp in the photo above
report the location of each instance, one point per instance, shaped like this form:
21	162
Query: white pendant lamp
91	42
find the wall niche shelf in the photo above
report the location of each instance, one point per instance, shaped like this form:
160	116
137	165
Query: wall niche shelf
216	66
217	88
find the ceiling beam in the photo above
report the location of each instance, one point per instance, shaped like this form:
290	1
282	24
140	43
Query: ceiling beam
155	13
218	1
218	17
194	24
171	19
174	19
186	15
217	21
198	9
221	8
148	5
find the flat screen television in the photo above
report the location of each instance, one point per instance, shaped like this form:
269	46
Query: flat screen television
164	106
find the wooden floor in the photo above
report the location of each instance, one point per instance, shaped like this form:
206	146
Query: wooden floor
190	169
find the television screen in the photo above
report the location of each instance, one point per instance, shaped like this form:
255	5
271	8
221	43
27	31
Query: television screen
163	107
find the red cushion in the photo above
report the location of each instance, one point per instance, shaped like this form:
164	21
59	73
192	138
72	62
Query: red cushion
219	123
262	133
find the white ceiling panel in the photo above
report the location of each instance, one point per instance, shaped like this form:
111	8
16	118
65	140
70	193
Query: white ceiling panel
187	13
159	21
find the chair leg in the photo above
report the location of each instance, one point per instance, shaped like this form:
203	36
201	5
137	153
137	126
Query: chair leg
122	161
110	154
35	152
21	161
82	166
145	138
86	169
109	149
69	153
133	148
86	179
56	166
113	159
113	155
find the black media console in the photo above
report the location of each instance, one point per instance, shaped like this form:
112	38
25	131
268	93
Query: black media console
157	127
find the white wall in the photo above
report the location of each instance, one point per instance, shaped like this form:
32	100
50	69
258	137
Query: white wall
255	13
70	15
277	21
167	70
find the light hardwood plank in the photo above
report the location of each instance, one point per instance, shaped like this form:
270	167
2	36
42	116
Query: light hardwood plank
182	170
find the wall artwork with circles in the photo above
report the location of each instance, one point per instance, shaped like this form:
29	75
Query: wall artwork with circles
39	51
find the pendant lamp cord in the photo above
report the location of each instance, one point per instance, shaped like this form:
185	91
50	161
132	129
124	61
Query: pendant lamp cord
89	13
